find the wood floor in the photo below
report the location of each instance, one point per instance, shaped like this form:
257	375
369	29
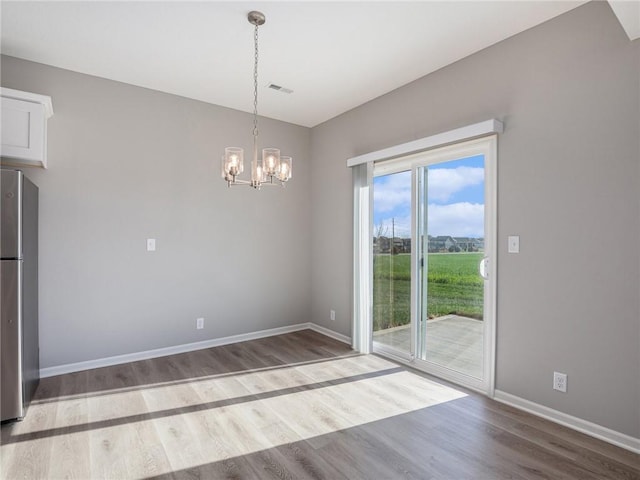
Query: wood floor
299	405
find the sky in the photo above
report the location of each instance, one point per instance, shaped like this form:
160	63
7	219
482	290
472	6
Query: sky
455	197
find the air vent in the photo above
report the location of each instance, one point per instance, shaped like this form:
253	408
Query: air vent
273	86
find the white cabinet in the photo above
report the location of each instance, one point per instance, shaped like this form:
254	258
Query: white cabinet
24	127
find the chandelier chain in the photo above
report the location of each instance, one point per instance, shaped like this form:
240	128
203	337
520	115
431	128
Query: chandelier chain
255	85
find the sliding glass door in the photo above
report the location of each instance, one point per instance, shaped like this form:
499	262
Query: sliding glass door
432	278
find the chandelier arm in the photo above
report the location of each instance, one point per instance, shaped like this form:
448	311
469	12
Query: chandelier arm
277	183
237	182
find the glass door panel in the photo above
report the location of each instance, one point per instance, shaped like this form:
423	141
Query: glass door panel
392	261
450	228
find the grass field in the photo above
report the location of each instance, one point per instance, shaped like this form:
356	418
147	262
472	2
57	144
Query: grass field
453	286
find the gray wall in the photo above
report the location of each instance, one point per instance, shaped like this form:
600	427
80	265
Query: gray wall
568	183
126	164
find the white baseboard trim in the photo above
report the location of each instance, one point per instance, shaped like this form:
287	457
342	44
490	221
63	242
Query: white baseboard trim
603	433
187	347
329	333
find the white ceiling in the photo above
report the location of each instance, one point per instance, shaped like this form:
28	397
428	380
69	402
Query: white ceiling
333	55
628	12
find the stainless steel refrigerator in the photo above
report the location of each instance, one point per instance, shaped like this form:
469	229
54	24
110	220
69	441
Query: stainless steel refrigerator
19	351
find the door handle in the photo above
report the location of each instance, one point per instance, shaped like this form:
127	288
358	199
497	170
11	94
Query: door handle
484	272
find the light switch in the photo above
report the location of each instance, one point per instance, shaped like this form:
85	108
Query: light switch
514	244
151	244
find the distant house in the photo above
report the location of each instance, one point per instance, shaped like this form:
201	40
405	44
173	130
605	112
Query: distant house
441	243
382	244
397	245
467	244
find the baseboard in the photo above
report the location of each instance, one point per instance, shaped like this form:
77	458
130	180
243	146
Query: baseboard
187	347
592	429
329	333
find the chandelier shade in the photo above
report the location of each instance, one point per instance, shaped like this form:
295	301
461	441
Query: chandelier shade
271	160
272	168
284	172
232	162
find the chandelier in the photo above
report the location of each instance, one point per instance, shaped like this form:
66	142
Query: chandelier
272	168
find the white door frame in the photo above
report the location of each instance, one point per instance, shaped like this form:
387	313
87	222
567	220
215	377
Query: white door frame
363	219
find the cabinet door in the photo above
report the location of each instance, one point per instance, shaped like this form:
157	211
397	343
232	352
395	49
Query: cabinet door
23	131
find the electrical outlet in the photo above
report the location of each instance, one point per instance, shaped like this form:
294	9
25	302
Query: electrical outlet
560	381
332	315
514	244
199	323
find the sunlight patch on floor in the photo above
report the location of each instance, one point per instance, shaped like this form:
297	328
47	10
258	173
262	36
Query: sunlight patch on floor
221	418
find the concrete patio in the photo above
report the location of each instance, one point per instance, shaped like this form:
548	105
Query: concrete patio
452	341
